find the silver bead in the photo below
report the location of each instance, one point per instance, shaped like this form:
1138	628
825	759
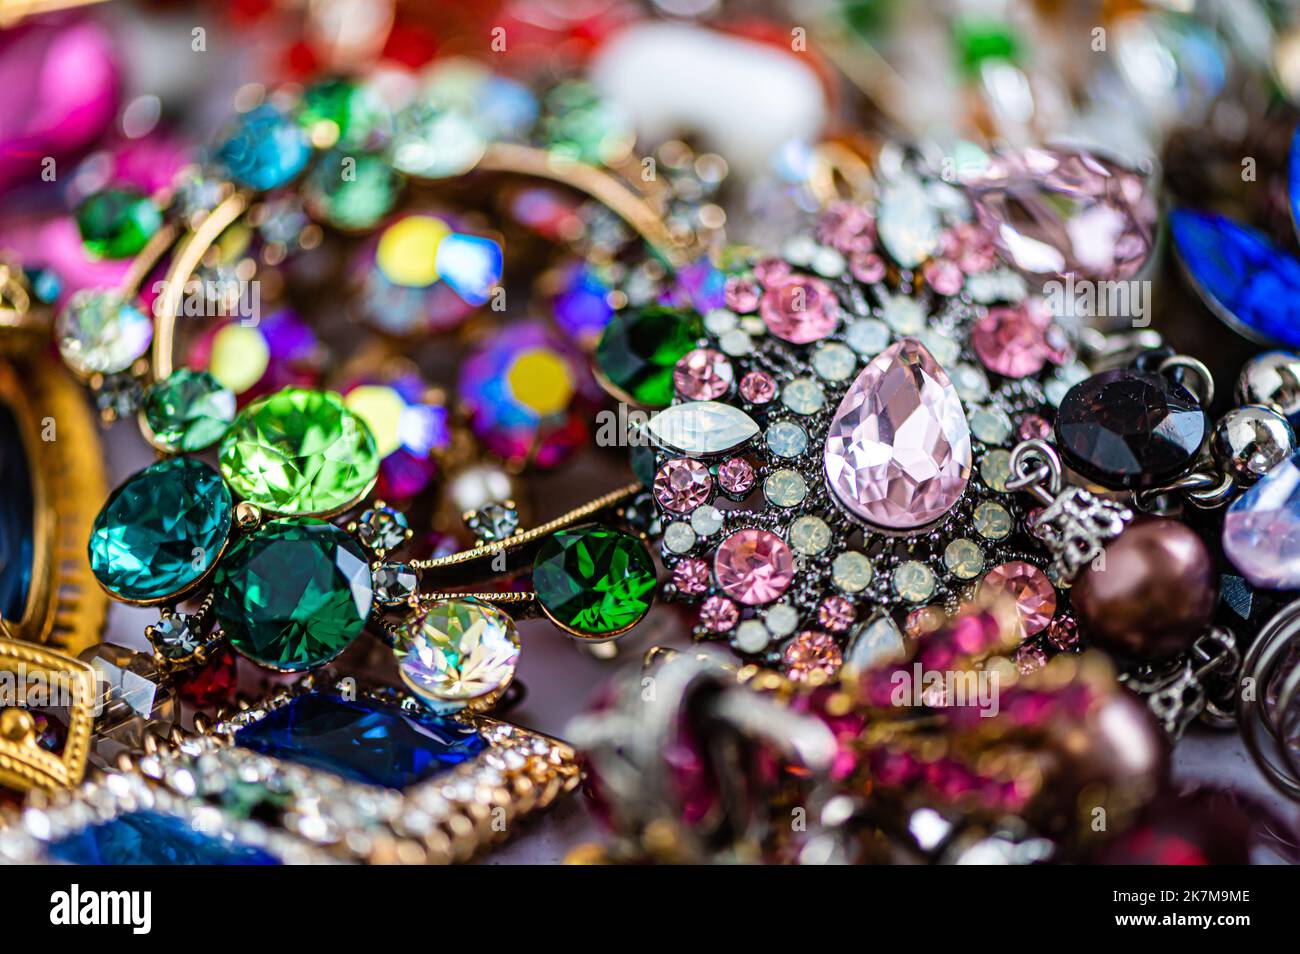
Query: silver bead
1273	380
1249	441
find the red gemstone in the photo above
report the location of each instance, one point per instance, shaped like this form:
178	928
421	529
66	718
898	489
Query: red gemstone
213	684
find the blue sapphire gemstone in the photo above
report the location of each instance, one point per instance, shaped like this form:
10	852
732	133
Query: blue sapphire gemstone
148	838
17	533
1293	178
1245	279
366	742
266	150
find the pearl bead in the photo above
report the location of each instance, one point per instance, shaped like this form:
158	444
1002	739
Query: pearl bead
1249	441
1152	592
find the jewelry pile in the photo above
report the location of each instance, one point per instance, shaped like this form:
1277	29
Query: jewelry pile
872	400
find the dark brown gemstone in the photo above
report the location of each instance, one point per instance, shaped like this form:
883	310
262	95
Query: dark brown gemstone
1129	428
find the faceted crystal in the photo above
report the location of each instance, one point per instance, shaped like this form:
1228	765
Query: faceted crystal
456	652
367	742
640	348
150	838
753	566
1130	428
702	428
117	223
161	531
908	224
800	309
190	411
100	333
1029	587
594	580
293	594
1261	532
898	451
299	452
265	150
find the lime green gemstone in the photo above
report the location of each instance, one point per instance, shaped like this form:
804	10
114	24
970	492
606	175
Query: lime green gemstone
594	580
351	192
640	347
188	412
293	594
299	452
117	223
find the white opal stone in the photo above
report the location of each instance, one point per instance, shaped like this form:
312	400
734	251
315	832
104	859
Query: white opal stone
702	428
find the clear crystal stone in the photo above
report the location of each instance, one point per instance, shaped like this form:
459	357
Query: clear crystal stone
702	428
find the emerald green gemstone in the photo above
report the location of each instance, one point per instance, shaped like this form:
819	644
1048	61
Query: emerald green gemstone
351	192
341	112
293	594
595	580
117	223
161	531
299	452
640	347
189	411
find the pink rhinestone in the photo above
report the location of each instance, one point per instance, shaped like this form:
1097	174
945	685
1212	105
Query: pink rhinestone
757	387
944	276
800	309
753	566
718	614
1034	427
923	621
741	294
682	485
866	267
1063	633
971	247
703	375
736	476
1030	657
769	271
1010	342
1031	589
837	614
812	652
691	577
846	226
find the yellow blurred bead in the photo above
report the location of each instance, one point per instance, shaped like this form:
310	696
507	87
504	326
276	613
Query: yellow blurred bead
541	380
408	250
240	356
380	407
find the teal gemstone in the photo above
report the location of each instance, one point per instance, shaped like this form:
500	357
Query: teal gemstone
266	149
190	411
294	594
351	192
161	531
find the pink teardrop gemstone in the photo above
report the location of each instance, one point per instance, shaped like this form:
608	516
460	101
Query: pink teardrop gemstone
898	449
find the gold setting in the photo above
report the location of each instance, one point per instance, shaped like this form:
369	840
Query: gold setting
24	764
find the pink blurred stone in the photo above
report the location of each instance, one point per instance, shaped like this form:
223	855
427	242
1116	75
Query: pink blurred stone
703	375
1030	657
736	476
682	485
741	294
1054	212
1034	595
944	276
718	614
800	309
691	577
867	267
898	450
1011	341
847	227
757	387
1034	427
753	566
836	613
812	652
769	271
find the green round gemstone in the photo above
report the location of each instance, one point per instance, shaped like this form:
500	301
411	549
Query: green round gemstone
345	113
293	594
351	192
117	223
189	411
299	452
640	347
161	531
594	580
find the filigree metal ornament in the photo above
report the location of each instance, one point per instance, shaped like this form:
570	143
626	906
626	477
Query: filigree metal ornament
840	439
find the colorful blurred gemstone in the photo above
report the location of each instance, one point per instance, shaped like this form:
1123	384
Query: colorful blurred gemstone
350	192
582	308
117	223
408	250
344	113
700	287
254	359
470	265
520	388
266	149
408	430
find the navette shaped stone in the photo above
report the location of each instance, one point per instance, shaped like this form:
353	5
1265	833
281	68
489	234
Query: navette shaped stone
702	428
898	451
299	452
366	742
1261	531
161	531
293	594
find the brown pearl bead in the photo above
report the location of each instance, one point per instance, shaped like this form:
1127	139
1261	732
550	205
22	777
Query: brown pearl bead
1153	592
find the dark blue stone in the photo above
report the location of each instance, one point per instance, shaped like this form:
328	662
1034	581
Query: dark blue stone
1245	279
148	838
266	150
364	741
17	534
